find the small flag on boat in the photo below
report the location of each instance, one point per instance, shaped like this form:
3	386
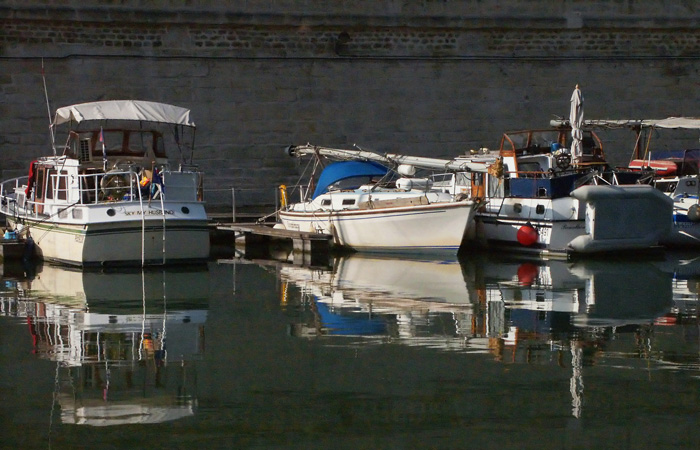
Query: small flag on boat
104	149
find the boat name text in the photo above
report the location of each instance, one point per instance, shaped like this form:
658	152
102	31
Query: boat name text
150	212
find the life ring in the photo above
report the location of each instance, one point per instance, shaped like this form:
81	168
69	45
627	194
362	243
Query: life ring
114	185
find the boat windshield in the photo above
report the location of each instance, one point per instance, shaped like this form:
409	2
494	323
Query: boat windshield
128	143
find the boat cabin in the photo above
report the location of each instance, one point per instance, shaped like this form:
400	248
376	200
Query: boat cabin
105	165
534	153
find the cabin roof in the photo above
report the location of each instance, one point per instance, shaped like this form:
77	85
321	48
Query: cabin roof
136	110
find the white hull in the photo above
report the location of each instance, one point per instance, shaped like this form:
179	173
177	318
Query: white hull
552	237
122	238
424	228
596	219
684	231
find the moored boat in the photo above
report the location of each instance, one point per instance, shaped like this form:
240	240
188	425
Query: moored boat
544	201
672	171
360	202
112	193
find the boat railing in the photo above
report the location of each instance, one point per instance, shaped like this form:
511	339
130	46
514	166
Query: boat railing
92	188
8	195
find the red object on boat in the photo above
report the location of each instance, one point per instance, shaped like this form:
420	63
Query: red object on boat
527	235
661	167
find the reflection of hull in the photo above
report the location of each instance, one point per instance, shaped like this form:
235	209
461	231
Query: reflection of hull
487	298
440	282
593	292
97	413
112	334
375	296
176	284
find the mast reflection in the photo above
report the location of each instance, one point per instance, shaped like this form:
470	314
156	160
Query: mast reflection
122	340
568	313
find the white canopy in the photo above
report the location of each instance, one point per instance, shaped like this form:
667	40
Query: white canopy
124	110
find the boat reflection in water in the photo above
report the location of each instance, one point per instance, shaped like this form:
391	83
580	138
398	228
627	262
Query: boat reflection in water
121	340
519	311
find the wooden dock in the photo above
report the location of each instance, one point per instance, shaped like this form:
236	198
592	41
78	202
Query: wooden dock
310	247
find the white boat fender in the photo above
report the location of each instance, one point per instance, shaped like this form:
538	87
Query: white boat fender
408	184
694	213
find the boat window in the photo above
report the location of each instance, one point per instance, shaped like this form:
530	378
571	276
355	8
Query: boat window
40	180
529	167
57	185
140	142
348	201
112	141
49	183
326	202
62	192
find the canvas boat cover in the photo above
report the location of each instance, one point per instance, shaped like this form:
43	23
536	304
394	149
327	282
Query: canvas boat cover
685	123
124	110
347	169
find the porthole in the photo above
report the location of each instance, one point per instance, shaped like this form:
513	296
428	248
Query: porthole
185	210
111	212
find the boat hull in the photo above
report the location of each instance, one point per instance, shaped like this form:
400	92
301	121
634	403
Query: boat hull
151	241
595	219
685	231
437	227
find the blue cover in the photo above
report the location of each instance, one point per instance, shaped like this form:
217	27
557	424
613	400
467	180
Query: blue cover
349	324
347	169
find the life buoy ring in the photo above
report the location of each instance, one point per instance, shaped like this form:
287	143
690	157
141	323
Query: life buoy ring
114	185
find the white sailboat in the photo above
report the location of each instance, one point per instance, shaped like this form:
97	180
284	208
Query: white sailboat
359	203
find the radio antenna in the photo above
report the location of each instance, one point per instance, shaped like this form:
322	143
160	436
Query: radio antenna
48	109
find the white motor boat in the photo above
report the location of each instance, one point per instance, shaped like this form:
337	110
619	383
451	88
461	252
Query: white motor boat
111	194
542	201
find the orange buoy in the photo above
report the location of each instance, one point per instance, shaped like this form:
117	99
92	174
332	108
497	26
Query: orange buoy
527	235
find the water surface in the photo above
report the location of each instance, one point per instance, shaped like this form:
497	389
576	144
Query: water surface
366	352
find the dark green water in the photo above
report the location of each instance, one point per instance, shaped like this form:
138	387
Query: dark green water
375	353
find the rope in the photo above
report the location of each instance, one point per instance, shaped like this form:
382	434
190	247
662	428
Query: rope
143	229
162	211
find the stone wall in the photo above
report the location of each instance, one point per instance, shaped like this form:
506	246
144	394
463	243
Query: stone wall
431	77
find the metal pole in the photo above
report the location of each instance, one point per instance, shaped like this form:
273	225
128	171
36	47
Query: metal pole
233	204
277	204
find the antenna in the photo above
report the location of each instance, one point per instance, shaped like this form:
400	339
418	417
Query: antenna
48	109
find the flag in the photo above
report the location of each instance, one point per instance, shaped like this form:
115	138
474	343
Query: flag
104	150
